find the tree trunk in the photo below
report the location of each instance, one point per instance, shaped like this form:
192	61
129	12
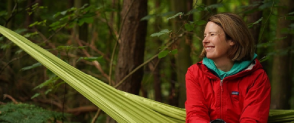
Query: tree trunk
253	17
262	52
183	58
156	62
281	81
132	45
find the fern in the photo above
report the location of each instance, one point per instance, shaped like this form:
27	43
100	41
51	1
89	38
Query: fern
27	113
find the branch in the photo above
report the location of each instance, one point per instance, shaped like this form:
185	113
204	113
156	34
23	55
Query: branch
95	49
10	97
96	116
82	109
95	63
137	68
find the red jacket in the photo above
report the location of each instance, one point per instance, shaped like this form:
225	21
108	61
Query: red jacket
243	97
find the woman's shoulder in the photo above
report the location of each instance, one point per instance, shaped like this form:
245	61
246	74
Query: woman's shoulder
197	70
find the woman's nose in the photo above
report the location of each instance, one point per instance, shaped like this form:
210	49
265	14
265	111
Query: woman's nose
205	40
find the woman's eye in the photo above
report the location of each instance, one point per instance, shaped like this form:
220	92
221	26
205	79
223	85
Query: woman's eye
211	34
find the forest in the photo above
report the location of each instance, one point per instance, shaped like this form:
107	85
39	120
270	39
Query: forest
141	47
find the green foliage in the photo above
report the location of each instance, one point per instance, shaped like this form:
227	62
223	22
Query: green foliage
31	67
176	15
35	8
256	22
158	15
166	52
91	58
27	113
42	23
70	17
164	31
163	54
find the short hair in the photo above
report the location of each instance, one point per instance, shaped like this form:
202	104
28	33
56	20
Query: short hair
237	31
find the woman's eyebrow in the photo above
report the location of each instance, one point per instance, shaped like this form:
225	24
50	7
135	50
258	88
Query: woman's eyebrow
210	32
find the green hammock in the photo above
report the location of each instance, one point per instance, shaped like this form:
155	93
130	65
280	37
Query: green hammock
121	106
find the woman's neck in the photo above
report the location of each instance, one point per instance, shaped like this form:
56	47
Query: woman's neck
224	64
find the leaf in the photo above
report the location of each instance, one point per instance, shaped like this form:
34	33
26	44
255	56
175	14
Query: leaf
5	46
60	83
164	31
49	90
19	51
198	9
256	22
51	80
55	24
174	51
65	48
31	67
19	31
163	54
167	14
35	95
189	27
176	15
291	13
63	12
266	5
148	17
85	20
90	58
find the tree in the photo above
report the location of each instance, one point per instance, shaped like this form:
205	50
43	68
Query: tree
131	45
183	58
281	79
253	17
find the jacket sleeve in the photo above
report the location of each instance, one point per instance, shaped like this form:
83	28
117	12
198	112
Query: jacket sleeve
257	101
196	109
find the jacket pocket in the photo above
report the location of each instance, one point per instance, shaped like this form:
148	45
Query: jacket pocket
235	96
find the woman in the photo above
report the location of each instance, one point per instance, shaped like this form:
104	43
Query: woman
229	84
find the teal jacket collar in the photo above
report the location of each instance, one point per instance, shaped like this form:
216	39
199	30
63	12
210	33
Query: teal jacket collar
237	67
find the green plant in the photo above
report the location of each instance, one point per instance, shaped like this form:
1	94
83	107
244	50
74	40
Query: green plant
27	113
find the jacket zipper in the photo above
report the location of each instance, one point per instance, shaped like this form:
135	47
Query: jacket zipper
221	85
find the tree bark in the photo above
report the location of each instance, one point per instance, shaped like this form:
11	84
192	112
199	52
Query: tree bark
281	80
132	45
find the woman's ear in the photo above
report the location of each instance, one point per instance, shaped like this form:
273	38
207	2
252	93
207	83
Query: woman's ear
231	43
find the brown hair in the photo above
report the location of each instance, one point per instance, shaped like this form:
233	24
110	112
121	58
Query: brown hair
237	31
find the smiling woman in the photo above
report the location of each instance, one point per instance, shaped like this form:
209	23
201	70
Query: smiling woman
229	84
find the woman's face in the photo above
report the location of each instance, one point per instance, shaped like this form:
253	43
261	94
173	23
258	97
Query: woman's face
215	43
